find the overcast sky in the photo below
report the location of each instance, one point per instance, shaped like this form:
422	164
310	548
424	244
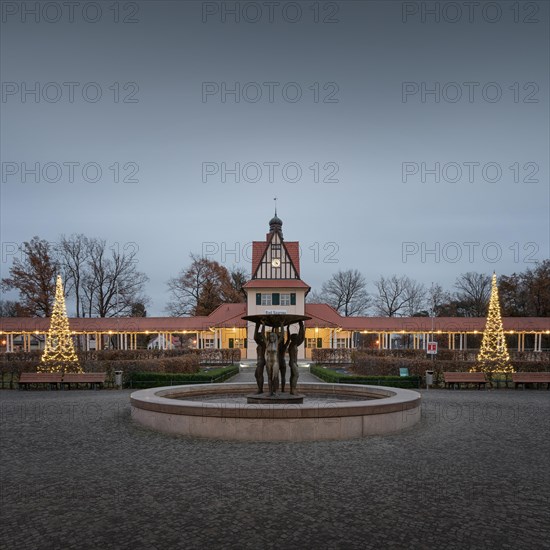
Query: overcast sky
337	90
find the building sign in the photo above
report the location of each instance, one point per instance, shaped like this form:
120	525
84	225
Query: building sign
432	348
275	311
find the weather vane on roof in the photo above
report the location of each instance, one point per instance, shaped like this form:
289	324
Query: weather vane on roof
275	199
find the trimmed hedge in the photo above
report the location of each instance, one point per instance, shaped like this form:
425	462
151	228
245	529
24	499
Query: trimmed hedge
157	379
372	365
331	356
183	364
448	354
205	356
329	375
128	361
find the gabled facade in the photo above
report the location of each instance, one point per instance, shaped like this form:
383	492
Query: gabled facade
275	285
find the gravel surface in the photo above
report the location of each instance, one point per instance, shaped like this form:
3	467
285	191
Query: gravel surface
76	472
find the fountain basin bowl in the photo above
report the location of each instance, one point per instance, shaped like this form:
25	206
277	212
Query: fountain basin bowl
329	412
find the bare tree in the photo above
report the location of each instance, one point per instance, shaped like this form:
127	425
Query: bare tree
398	296
10	308
346	292
74	252
473	292
239	277
202	287
416	295
33	275
314	297
436	299
111	283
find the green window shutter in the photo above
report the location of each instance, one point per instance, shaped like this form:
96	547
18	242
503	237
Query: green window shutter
258	299
319	342
275	299
231	343
293	298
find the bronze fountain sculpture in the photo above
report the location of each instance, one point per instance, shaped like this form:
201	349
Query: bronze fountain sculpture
271	356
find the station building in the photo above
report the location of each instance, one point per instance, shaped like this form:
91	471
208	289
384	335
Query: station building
276	286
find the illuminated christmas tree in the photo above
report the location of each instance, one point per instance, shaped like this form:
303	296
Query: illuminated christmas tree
493	355
59	354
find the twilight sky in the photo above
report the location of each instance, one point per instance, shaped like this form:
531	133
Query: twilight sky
422	138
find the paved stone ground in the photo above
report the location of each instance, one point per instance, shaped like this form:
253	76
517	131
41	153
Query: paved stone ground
77	473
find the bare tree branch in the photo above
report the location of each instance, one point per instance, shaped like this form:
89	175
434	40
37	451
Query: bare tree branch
346	292
398	296
473	292
111	284
73	253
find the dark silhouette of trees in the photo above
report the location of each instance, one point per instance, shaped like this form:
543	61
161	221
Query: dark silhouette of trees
526	294
203	286
33	275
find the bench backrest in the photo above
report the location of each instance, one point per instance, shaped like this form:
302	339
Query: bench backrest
464	377
531	376
40	377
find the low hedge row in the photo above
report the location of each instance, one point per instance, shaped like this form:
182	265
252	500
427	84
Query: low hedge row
329	375
330	356
157	379
183	364
370	365
444	354
205	356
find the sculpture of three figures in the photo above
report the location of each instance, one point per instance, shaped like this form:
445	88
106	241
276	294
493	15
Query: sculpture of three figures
271	352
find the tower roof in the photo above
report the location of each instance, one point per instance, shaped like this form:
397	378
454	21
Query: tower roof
275	223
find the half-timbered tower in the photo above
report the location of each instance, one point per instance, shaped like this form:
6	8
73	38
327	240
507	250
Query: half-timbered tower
275	285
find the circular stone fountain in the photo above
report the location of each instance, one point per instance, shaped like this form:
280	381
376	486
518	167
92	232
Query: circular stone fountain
329	412
308	412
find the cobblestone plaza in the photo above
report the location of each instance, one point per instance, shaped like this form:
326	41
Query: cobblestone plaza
78	473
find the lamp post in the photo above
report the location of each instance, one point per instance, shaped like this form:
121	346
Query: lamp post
432	315
118	319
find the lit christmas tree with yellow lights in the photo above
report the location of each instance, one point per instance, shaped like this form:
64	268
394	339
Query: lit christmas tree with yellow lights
59	354
493	356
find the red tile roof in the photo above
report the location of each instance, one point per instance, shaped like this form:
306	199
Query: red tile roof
276	283
259	248
258	251
323	313
229	315
105	324
293	249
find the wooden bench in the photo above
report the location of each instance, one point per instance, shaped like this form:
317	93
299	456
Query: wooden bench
531	378
465	378
28	378
94	379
